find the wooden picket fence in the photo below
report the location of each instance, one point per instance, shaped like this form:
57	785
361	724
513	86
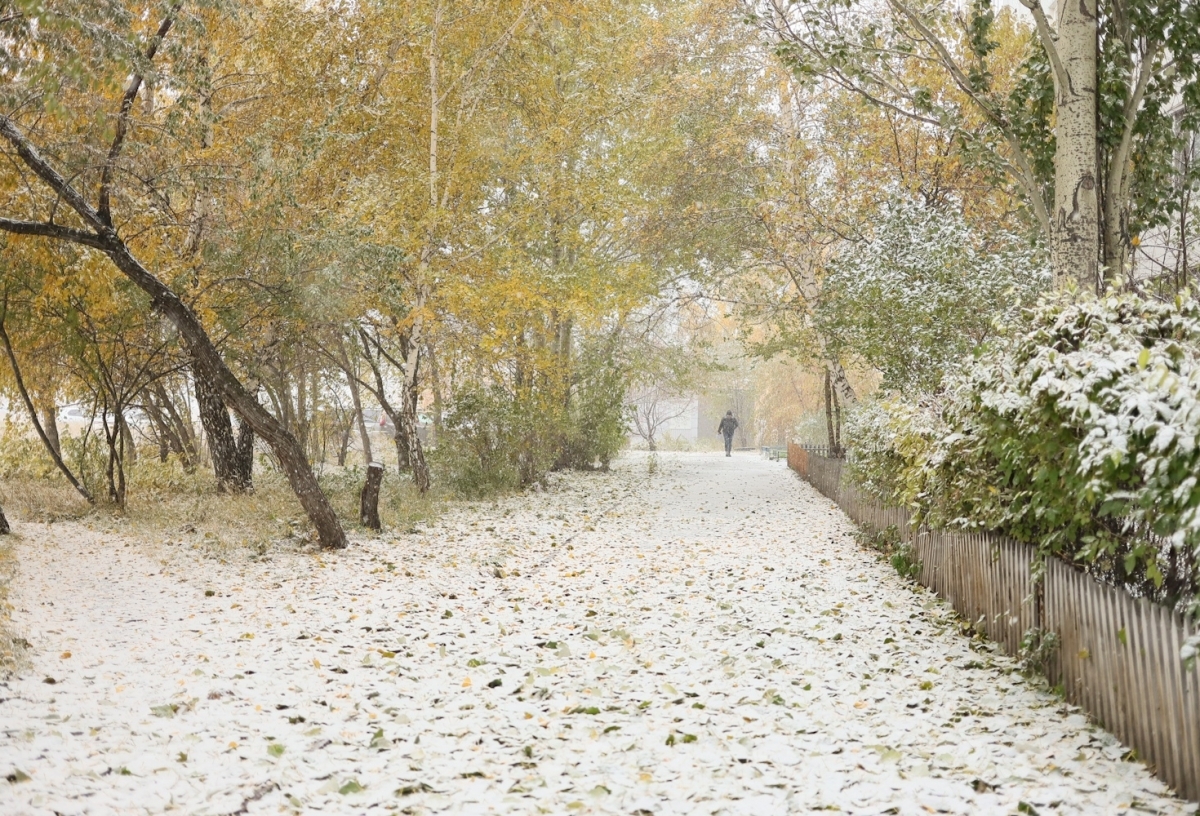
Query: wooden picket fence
1117	655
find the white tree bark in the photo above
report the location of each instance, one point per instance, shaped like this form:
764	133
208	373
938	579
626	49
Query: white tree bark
1075	230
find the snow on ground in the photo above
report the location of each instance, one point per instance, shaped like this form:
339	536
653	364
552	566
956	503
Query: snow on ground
705	639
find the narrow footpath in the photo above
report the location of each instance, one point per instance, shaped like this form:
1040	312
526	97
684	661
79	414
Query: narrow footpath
699	637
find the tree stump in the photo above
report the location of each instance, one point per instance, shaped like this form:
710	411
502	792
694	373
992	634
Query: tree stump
3	522
368	512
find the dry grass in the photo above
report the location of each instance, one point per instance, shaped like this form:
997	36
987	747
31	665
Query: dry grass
12	646
270	515
167	503
41	500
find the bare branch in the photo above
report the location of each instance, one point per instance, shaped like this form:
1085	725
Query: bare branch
49	230
42	168
131	92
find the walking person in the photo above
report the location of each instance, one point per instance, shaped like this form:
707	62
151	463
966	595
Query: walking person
726	428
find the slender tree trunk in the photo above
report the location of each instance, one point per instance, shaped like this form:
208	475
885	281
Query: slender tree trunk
837	423
165	431
50	423
1075	229
162	434
832	435
841	383
302	428
435	384
385	404
33	414
356	400
182	428
4	528
114	439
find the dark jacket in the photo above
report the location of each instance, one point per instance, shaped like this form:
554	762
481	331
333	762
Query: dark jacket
728	426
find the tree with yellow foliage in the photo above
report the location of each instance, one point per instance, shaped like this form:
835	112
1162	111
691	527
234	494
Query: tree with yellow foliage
79	173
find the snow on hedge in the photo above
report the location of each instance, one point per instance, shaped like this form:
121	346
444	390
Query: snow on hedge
1081	434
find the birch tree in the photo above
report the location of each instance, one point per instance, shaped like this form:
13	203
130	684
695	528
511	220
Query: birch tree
1079	125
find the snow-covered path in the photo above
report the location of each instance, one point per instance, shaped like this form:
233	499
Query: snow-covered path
706	639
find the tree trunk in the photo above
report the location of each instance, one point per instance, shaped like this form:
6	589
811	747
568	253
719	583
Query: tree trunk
368	505
409	418
435	384
356	401
243	463
375	364
214	416
114	439
4	528
1075	229
164	429
837	423
841	383
183	434
50	423
832	435
130	449
162	434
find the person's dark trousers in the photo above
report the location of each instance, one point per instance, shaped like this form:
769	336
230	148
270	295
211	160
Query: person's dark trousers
728	445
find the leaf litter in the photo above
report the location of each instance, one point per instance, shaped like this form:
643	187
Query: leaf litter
706	638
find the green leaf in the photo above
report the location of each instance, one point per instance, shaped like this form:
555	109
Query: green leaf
351	786
1143	359
275	749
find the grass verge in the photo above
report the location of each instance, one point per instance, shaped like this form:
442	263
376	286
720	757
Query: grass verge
167	502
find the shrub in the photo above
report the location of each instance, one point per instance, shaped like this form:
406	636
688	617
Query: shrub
479	448
500	438
1079	435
